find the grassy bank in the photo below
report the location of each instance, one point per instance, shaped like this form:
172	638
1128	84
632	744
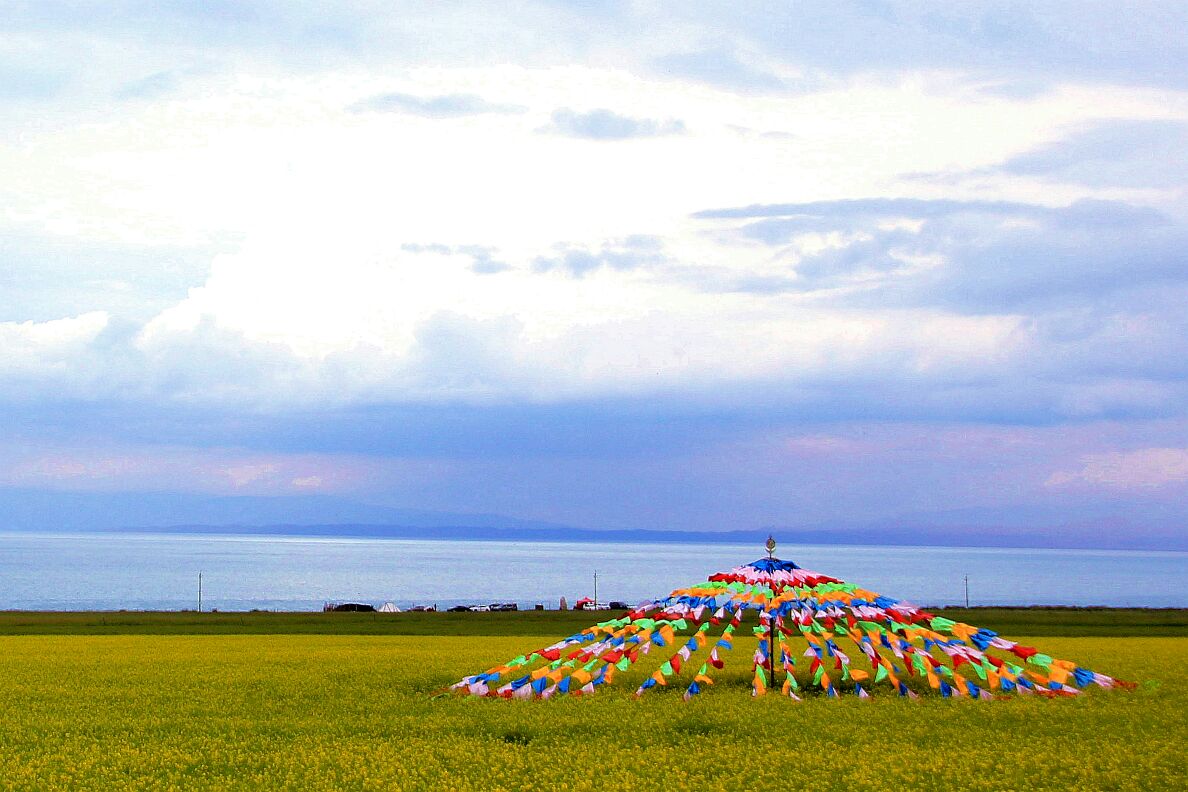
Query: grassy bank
1008	621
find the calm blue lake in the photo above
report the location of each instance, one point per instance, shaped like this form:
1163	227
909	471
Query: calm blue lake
157	571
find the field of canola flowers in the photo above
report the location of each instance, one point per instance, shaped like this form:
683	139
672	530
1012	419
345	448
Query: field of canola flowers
356	712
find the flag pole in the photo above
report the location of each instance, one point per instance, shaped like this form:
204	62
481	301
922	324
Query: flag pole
771	629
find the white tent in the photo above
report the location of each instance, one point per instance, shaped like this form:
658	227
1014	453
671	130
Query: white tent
388	607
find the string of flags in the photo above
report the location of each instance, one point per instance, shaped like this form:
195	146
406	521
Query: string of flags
855	641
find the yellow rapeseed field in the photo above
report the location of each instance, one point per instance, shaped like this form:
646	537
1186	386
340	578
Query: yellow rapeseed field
355	712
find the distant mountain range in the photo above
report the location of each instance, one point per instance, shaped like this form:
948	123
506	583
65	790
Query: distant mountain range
321	515
44	510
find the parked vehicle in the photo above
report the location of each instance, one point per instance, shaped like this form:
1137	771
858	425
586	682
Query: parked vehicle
504	606
458	609
587	604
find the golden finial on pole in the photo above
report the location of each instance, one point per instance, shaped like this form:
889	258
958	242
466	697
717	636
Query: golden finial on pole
771	545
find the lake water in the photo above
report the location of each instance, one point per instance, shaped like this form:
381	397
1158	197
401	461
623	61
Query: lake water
160	572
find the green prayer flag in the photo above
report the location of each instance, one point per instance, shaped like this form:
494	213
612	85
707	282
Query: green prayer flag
941	624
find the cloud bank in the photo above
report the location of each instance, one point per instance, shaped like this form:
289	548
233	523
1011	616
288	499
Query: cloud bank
639	265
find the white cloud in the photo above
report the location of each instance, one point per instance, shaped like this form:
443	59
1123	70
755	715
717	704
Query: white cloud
422	323
1145	468
34	348
54	335
242	475
261	152
350	277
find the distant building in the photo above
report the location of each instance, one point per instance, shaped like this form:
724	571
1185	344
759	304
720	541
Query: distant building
348	607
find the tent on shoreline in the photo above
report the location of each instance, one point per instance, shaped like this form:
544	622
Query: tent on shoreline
898	644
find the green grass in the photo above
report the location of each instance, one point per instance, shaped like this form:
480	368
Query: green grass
355	712
1103	622
560	623
1008	621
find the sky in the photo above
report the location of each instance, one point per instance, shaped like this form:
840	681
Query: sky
612	265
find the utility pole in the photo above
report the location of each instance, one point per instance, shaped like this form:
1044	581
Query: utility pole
200	592
595	589
967	591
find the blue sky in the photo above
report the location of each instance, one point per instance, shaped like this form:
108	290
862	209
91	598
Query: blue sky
606	264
